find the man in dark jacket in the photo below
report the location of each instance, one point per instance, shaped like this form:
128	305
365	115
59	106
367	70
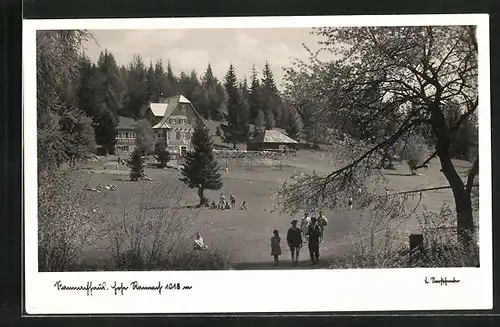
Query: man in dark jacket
314	233
294	240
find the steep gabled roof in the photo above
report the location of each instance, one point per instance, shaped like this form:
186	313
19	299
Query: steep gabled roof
168	106
158	109
273	136
183	99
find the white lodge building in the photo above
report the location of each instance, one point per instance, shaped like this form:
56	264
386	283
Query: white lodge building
173	120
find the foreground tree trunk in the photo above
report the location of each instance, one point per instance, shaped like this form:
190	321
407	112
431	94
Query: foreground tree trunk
461	195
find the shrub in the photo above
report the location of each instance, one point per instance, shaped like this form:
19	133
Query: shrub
162	156
153	234
136	165
64	225
441	247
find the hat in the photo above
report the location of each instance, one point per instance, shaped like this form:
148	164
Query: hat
313	219
293	221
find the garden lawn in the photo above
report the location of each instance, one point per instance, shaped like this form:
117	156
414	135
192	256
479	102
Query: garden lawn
246	233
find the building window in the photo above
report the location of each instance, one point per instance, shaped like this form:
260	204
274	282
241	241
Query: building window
183	135
126	135
183	121
172	121
193	121
131	135
178	135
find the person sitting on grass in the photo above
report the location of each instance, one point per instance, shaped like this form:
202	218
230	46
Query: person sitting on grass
294	240
275	246
198	242
213	205
349	203
243	206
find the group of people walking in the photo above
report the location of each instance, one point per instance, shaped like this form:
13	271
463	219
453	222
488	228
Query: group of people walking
311	228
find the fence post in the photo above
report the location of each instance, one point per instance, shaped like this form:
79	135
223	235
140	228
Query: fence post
416	248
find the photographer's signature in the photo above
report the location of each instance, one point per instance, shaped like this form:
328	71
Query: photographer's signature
443	281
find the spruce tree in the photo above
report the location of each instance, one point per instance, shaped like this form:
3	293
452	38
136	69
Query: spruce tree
270	99
236	129
254	98
200	169
136	165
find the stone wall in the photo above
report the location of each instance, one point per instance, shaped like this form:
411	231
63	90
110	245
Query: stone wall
243	158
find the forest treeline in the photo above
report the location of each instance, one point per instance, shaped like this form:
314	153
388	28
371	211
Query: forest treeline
79	100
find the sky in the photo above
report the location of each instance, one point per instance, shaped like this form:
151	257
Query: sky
194	49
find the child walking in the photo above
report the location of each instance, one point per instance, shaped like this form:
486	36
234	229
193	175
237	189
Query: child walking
275	246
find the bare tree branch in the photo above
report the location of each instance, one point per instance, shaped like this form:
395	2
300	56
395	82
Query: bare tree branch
424	190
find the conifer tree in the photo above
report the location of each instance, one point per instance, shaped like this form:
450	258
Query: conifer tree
200	169
254	97
136	165
236	129
270	99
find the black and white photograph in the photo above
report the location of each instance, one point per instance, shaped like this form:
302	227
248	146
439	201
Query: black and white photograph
270	150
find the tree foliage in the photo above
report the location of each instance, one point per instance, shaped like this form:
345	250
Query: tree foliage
236	130
145	137
136	165
200	169
63	131
387	83
293	128
161	154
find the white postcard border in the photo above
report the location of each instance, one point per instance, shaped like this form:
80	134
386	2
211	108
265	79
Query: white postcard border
259	291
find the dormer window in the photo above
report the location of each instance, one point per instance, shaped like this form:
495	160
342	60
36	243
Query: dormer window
193	121
183	121
172	121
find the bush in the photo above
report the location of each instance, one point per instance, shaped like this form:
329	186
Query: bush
162	156
136	165
155	236
64	226
441	245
